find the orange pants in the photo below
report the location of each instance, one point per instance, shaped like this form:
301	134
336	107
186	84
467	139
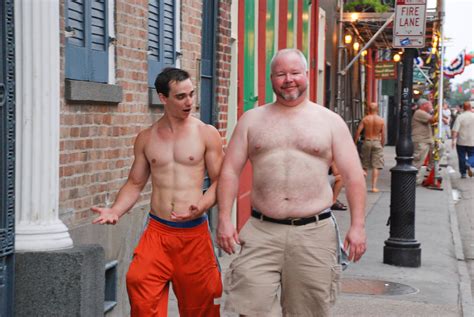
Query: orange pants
183	256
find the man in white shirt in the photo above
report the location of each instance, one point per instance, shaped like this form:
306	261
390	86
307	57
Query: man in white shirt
463	138
446	128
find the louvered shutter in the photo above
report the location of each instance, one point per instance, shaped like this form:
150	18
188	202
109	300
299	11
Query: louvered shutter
87	49
161	37
76	48
98	62
168	33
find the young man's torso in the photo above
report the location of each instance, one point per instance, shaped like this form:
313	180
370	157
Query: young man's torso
177	166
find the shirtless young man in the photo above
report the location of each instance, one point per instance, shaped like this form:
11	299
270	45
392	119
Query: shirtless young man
176	246
290	240
372	148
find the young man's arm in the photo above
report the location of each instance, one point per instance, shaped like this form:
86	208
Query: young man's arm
213	158
130	192
346	158
234	161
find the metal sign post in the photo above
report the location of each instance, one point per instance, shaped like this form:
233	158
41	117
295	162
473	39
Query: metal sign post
410	23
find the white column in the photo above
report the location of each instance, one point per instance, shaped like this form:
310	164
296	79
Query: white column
38	227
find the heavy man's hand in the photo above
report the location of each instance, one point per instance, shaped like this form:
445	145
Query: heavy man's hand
227	236
355	243
106	216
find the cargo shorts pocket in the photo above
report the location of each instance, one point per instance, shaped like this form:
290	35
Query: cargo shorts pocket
228	280
335	283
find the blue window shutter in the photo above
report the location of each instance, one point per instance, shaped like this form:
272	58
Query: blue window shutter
168	33
161	37
87	49
76	48
155	63
98	50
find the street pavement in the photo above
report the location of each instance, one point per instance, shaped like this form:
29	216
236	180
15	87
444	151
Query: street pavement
440	286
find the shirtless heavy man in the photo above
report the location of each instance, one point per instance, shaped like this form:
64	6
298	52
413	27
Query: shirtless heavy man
290	240
176	246
374	140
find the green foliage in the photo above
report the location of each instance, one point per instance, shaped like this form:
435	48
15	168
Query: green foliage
460	93
366	6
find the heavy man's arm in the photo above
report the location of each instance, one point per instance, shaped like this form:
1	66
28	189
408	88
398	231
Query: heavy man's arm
130	192
382	134
346	158
227	189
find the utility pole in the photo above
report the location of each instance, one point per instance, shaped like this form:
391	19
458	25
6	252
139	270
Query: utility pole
401	248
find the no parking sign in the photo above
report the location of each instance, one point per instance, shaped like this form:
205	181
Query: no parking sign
410	23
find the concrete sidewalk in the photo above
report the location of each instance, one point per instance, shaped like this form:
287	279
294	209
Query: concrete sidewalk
438	287
439	282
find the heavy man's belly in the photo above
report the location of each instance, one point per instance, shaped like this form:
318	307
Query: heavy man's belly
291	188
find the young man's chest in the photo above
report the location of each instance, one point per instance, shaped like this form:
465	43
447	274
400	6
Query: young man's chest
181	149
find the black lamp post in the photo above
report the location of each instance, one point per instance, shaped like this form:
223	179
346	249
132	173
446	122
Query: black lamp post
401	248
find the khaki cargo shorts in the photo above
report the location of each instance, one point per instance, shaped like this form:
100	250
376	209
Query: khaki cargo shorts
372	154
299	261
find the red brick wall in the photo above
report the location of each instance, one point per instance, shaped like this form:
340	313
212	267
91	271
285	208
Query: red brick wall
223	57
96	140
191	22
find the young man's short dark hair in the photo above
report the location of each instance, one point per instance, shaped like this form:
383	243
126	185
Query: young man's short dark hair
167	75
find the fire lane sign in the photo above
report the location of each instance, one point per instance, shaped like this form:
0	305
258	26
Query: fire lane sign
410	24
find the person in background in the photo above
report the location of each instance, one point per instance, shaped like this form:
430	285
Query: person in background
422	134
372	147
463	139
446	120
335	179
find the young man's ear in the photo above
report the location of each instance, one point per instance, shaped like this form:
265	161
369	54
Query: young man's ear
163	98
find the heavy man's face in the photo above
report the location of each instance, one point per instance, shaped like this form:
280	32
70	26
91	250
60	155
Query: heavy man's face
289	77
180	100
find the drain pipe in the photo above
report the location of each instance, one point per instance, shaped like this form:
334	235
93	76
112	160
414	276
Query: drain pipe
340	48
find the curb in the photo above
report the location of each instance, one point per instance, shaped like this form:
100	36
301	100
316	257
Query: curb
465	294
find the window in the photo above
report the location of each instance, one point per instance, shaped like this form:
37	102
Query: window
110	295
87	40
161	37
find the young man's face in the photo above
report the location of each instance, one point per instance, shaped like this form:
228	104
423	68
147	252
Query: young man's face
180	100
289	77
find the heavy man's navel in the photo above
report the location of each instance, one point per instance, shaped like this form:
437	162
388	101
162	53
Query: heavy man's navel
191	158
153	161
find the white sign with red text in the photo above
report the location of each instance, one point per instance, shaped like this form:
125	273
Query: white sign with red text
410	23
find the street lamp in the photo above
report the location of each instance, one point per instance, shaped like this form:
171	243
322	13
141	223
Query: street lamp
348	39
396	58
401	248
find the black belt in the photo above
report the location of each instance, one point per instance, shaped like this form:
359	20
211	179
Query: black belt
291	221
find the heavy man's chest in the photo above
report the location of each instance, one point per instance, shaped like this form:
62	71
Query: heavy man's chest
305	139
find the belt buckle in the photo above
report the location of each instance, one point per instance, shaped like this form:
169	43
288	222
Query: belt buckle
292	221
